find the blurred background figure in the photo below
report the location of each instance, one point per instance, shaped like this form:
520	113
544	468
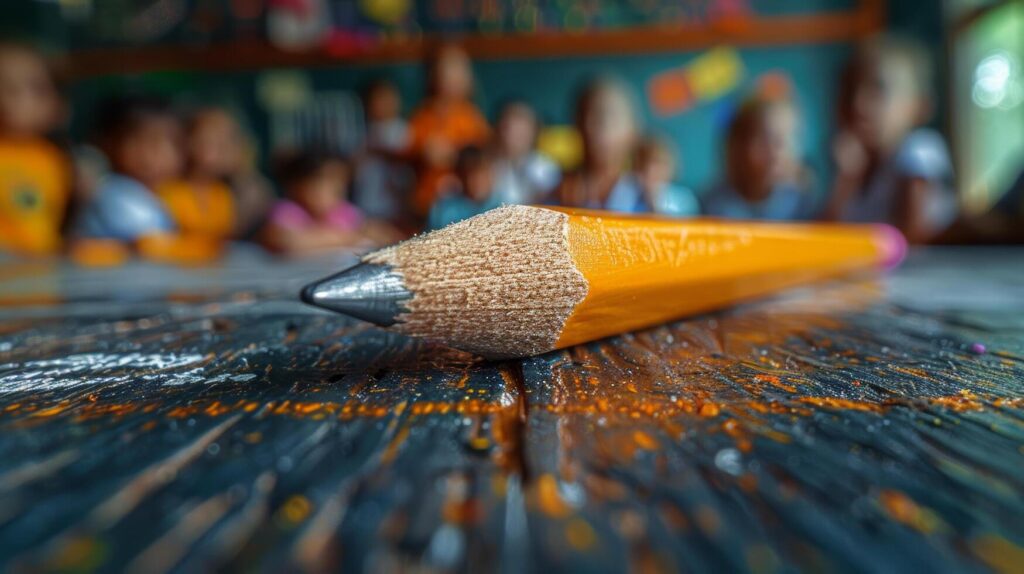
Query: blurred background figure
764	177
889	168
469	192
201	202
654	168
34	173
447	121
522	173
224	185
142	139
383	182
846	122
316	214
607	121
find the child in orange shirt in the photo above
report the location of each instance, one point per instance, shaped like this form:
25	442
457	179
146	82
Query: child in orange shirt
34	173
445	123
201	202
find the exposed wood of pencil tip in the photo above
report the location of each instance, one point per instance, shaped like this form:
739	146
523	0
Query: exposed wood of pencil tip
501	284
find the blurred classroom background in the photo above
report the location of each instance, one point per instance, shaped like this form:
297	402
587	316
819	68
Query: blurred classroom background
168	129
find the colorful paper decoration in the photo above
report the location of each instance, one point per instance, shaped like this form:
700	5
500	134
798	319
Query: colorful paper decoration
562	144
340	43
282	91
709	76
774	85
297	24
387	12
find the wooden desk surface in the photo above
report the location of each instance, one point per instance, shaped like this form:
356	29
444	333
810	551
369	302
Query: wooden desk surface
180	419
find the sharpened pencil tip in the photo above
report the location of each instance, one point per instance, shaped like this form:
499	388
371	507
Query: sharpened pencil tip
367	291
308	294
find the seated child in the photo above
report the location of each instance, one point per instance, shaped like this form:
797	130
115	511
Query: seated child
445	123
222	195
522	174
653	169
469	192
316	215
201	203
607	122
386	130
141	137
890	169
382	181
34	173
764	176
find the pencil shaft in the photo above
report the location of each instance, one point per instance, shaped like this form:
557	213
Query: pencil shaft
524	280
643	271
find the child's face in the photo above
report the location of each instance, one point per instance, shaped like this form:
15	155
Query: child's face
478	182
152	152
655	169
884	103
29	103
215	145
454	75
608	128
517	130
769	156
384	104
323	190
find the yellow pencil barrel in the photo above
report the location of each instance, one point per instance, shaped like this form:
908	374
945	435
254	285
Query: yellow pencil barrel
643	271
521	280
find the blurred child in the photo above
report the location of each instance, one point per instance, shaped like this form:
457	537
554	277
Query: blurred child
386	130
445	123
221	195
201	203
382	182
316	214
468	193
141	137
606	120
764	176
34	173
654	166
889	168
522	174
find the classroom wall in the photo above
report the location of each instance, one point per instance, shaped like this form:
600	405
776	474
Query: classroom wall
550	85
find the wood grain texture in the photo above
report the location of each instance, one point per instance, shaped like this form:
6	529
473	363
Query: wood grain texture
851	426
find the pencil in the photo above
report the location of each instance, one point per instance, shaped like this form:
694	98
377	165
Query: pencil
522	280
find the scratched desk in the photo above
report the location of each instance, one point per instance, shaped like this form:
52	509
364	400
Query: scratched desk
157	419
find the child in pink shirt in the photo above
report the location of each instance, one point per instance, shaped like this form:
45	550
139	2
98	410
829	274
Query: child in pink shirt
316	214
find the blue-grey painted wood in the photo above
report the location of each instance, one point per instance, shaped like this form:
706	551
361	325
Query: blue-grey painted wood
212	422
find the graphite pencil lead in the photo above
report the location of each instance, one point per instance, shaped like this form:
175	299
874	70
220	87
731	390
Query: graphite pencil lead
367	291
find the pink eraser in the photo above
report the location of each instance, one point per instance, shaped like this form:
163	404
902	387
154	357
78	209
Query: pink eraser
891	244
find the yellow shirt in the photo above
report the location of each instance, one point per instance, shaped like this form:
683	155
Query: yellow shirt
200	209
34	189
